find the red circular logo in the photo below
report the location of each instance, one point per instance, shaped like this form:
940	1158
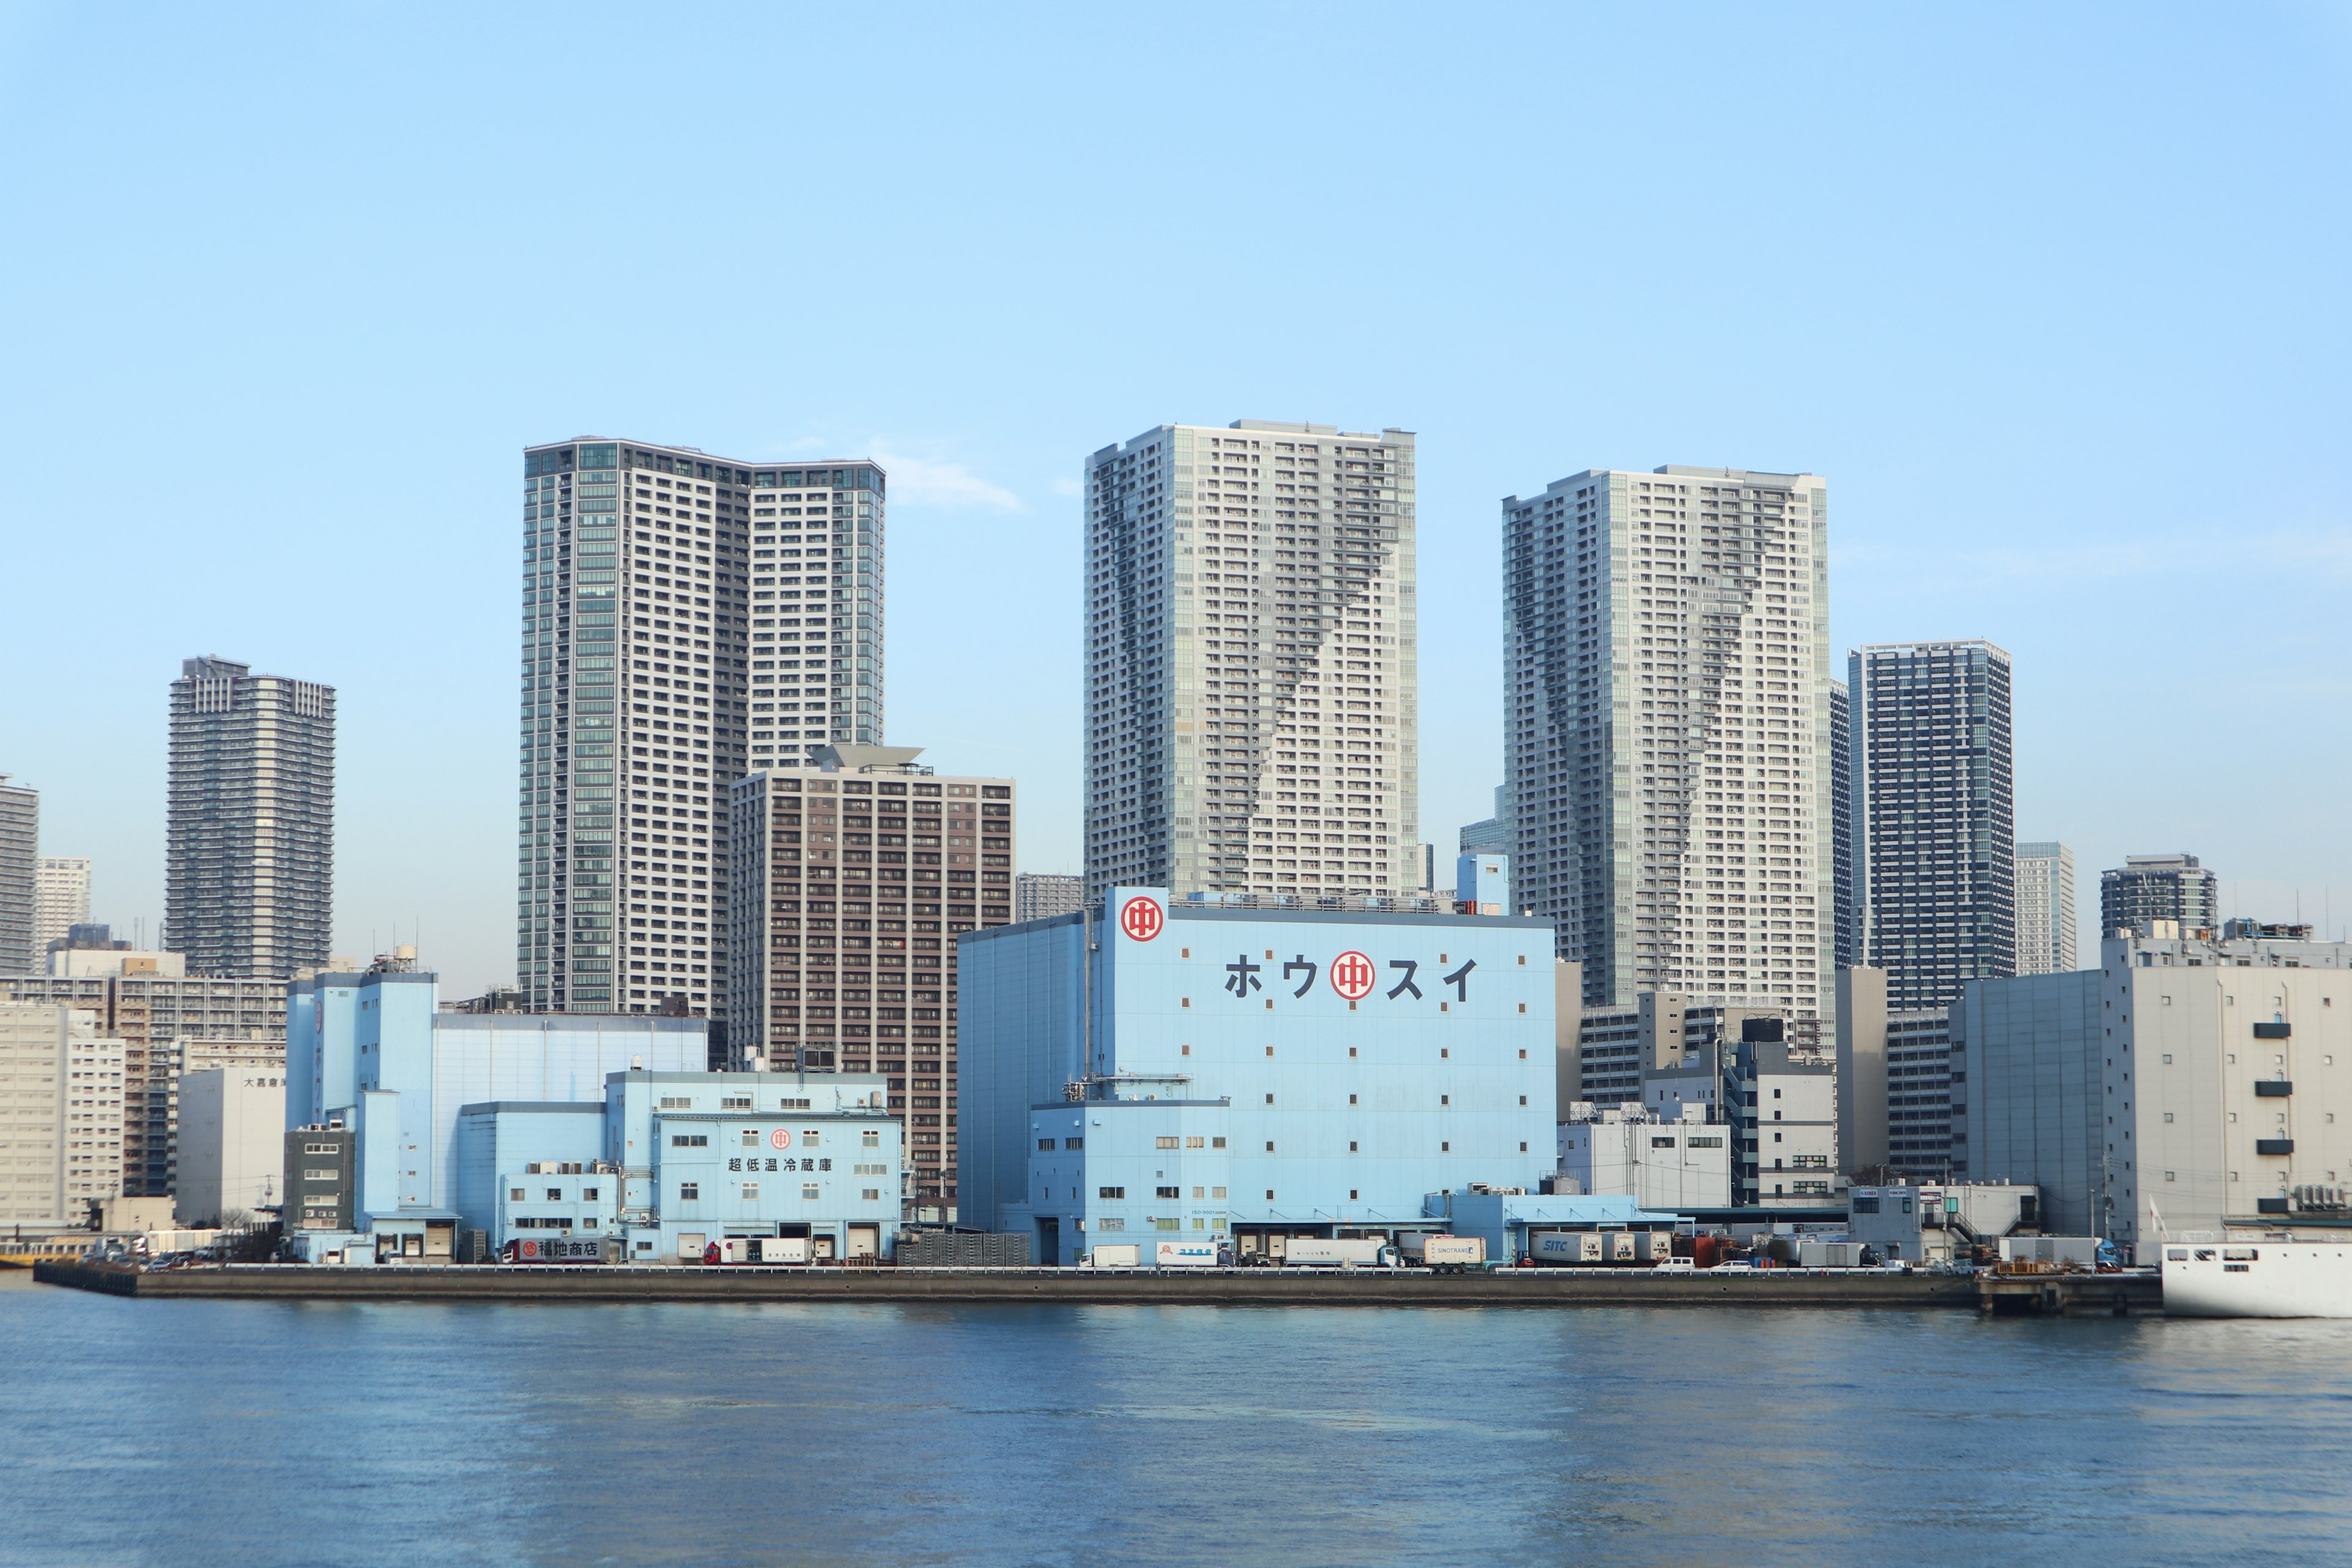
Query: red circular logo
1352	976
1141	919
531	1249
779	1139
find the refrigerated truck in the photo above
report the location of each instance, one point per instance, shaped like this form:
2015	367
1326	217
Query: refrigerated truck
1342	1252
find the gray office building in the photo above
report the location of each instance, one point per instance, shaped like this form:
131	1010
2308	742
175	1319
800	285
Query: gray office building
2148	888
249	857
20	843
685	618
1493	835
1933	829
1041	895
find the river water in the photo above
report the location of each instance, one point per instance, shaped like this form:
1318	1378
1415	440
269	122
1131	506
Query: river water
252	1432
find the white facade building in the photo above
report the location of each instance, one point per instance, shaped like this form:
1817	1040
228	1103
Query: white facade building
1251	663
2208	1082
61	1099
61	898
1668	731
231	1141
2046	909
1665	1165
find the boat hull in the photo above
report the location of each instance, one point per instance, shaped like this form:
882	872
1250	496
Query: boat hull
2258	1280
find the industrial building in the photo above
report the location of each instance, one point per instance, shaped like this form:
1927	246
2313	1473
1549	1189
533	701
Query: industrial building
666	1163
1940	1223
2191	1081
371	1056
231	1141
1206	1068
1482	884
1670	1162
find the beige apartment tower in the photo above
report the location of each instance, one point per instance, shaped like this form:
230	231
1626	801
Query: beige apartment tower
1251	674
60	900
851	879
1668	724
684	617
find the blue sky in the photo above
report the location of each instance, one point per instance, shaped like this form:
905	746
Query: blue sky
2054	297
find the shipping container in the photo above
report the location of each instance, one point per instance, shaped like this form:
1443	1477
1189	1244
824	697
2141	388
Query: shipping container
963	1249
781	1249
1442	1252
1654	1246
1573	1248
1829	1254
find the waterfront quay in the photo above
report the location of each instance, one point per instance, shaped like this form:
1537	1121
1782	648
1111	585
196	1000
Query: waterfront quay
1201	1286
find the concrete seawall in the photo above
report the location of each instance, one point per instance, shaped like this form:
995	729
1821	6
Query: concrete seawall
1223	1288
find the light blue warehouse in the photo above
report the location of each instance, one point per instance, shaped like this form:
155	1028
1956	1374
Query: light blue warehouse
667	1162
373	1053
1146	1067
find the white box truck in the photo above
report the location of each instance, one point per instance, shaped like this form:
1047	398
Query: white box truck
1201	1253
1445	1253
1342	1252
1117	1255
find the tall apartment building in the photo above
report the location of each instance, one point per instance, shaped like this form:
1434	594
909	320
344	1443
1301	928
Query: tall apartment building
61	1106
1666	649
1845	899
1251	663
20	838
154	1017
249	857
2148	888
1040	895
684	619
851	881
2045	908
1492	835
1934	825
61	900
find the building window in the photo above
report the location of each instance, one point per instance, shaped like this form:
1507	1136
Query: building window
751	1138
690	1192
1111	1225
751	1192
810	1192
515	1193
1168	1192
1044	1145
1171	1143
871	1195
1073	1142
1110	1192
689	1140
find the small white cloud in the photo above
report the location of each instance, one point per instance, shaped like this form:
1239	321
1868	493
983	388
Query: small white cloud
1065	485
926	482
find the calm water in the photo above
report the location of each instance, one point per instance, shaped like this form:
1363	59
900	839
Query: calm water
260	1434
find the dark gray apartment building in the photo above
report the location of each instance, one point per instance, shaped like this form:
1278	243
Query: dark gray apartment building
249	858
1933	805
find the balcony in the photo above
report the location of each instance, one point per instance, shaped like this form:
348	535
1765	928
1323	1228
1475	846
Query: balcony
2273	1145
2277	1029
2274	1089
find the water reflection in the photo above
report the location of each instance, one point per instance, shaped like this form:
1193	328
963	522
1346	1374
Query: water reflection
260	1433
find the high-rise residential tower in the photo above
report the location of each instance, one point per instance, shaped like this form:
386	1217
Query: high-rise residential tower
61	900
1666	650
2158	888
249	858
1849	917
684	617
2046	909
853	878
1933	829
1251	673
1039	895
20	843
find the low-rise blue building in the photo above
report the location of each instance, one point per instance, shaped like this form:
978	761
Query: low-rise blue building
1148	1068
668	1163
